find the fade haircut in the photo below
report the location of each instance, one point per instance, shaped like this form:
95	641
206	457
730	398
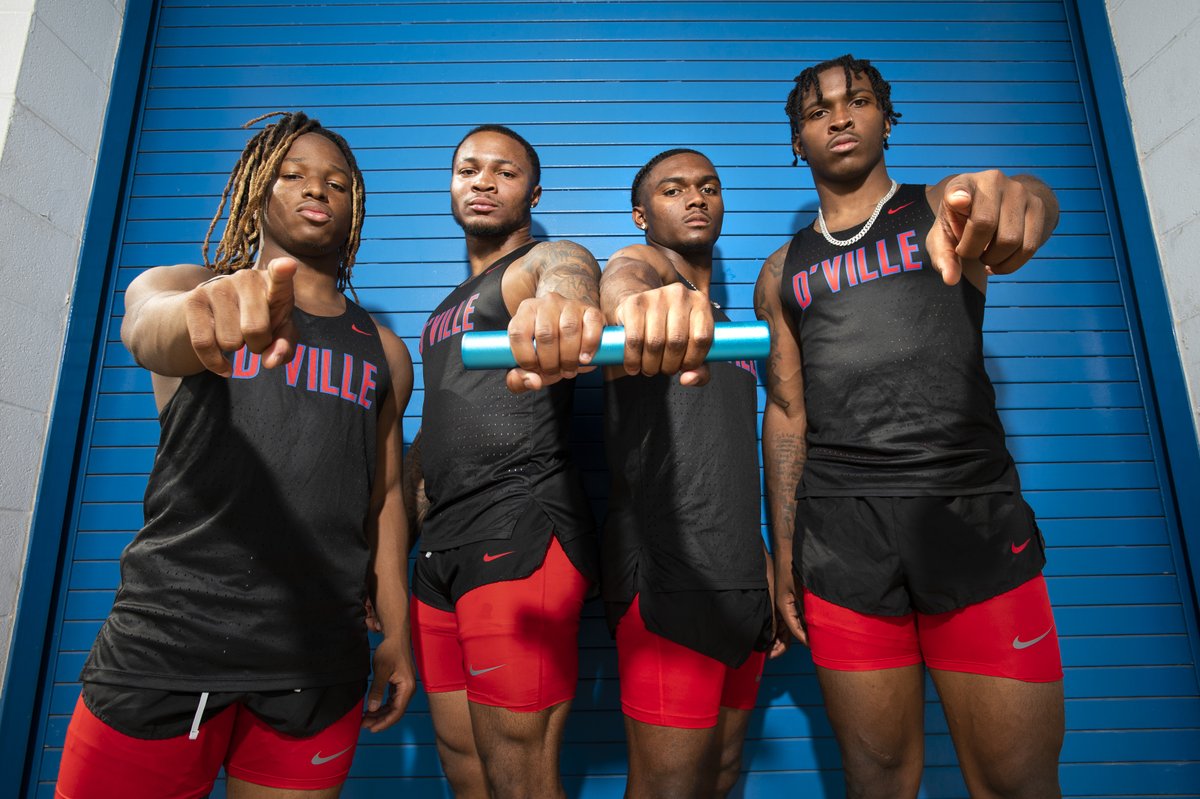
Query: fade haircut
810	81
250	184
640	177
535	163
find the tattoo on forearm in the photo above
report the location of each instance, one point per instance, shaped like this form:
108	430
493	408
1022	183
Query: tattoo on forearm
568	270
788	454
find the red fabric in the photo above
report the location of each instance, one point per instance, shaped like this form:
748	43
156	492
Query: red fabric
99	762
1011	635
511	644
670	685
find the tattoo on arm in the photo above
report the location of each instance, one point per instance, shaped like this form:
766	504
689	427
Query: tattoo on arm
416	504
788	454
565	268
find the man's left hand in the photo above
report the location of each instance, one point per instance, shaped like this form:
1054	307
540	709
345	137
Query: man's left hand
987	217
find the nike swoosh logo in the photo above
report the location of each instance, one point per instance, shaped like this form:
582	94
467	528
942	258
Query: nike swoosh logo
318	760
477	672
489	558
1017	550
1019	644
354	327
899	208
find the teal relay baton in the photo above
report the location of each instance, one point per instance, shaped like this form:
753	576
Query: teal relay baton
732	341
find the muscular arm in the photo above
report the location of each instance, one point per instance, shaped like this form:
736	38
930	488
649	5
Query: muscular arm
388	533
553	294
630	271
180	320
155	329
668	327
416	504
783	436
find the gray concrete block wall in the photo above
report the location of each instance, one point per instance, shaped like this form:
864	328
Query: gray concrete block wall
56	61
1158	45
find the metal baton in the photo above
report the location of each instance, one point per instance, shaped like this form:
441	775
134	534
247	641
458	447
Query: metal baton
732	341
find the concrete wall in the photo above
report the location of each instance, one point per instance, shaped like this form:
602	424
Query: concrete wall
1158	45
56	61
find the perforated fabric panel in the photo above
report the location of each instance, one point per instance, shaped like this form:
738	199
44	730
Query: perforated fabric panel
598	88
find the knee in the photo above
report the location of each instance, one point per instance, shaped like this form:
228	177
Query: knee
873	770
729	770
1017	778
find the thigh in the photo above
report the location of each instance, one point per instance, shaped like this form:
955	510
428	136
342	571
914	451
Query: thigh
842	639
1011	635
740	691
520	637
1008	734
437	650
98	762
664	683
261	755
878	720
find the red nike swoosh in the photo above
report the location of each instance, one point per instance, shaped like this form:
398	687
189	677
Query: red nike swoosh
1017	550
363	332
489	558
899	208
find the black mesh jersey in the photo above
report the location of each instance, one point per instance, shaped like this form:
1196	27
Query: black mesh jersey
250	572
684	510
895	391
487	453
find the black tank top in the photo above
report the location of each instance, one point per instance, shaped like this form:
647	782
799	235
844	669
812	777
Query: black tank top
486	452
684	510
897	398
250	572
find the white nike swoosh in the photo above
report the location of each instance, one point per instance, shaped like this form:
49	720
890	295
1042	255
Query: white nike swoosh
1019	644
318	760
477	672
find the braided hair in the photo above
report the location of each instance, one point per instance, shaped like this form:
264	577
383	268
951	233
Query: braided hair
640	177
810	80
250	184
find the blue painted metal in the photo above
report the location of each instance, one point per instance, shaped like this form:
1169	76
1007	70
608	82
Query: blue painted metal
1170	411
33	634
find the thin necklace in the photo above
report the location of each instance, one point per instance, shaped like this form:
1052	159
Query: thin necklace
715	304
865	228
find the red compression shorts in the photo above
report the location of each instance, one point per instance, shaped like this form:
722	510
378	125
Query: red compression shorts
511	644
670	685
1011	635
100	763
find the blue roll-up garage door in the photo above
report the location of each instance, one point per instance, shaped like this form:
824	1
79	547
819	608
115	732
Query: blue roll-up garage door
599	87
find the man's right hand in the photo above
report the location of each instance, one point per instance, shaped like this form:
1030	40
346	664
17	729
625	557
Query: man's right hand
788	604
667	330
251	307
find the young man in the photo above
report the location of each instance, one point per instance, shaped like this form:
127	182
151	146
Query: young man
685	569
507	542
884	453
237	636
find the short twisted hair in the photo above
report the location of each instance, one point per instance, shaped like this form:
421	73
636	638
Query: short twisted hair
810	80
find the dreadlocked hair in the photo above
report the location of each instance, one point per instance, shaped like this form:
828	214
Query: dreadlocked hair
250	184
809	80
640	177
